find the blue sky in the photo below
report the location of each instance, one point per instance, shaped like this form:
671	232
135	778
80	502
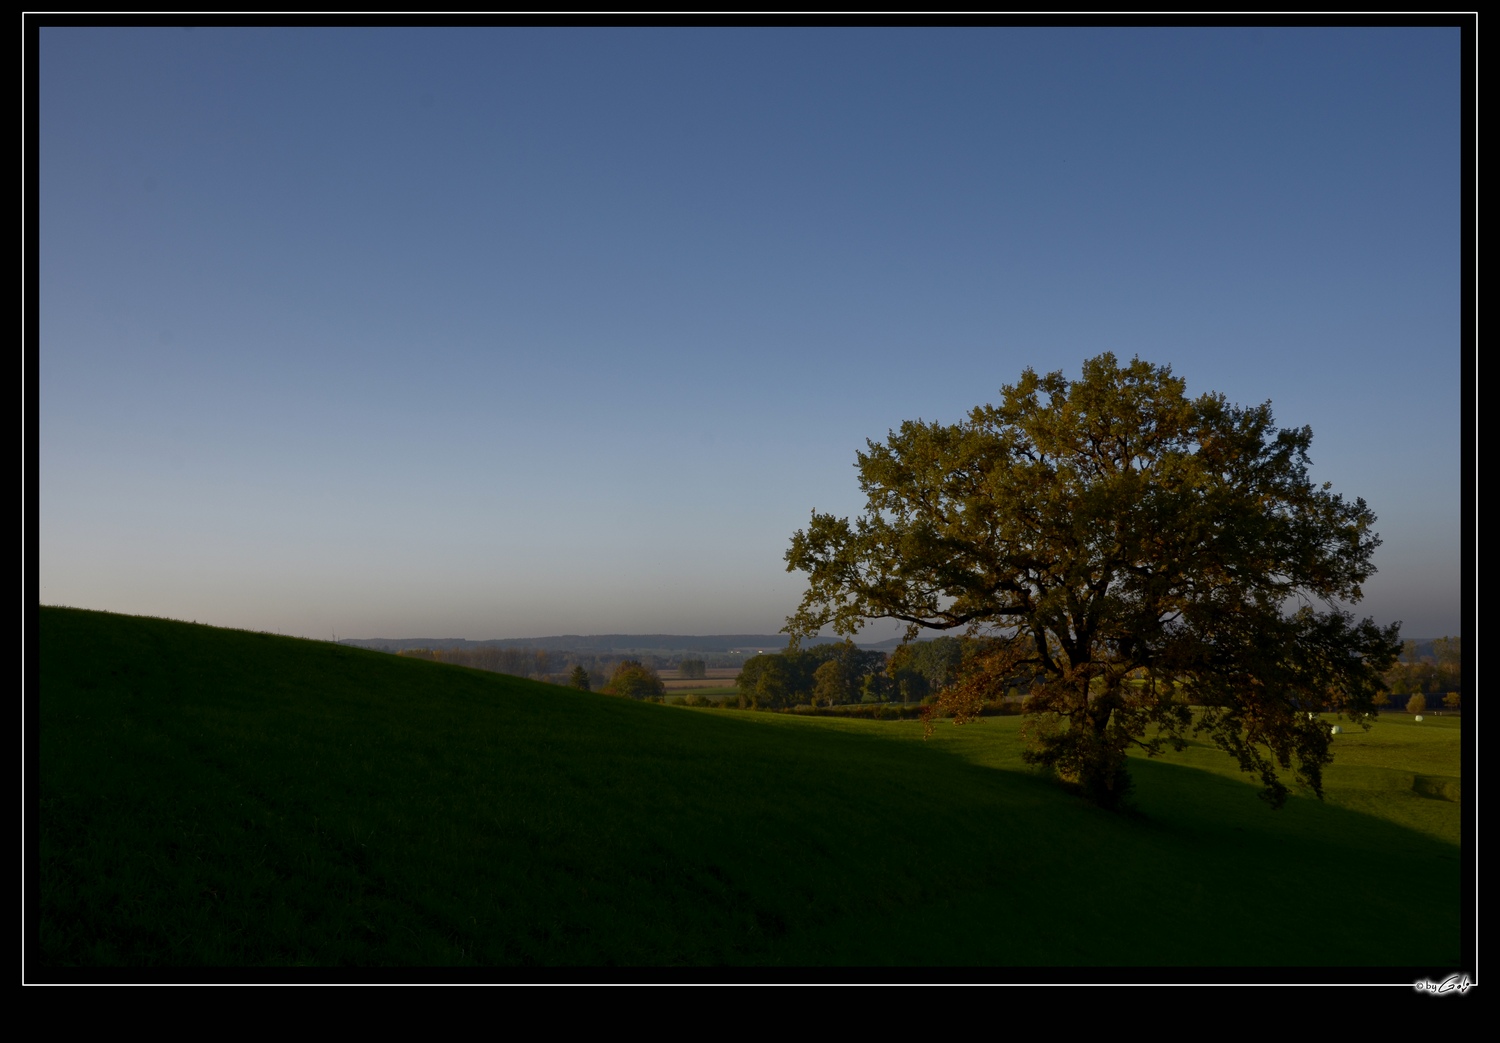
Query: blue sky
506	333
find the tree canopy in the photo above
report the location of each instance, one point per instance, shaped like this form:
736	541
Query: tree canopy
1128	549
828	674
634	680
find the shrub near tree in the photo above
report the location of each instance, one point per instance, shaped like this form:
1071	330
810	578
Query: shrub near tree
1417	704
1107	527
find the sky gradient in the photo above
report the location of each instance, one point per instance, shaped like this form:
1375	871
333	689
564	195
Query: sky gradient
507	333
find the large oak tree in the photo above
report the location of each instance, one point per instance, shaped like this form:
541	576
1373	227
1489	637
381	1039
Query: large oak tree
1127	550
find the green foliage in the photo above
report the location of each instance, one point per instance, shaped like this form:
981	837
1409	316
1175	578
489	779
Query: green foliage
1450	662
911	684
1417	704
1432	675
830	686
1410	654
1452	700
770	682
579	679
1449	653
692	668
829	674
633	680
920	668
1106	530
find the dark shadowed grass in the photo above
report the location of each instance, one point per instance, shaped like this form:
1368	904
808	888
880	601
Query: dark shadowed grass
218	797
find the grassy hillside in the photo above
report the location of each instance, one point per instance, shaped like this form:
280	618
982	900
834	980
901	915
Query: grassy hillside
206	796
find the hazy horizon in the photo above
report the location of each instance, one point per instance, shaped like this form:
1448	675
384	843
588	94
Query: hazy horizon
510	333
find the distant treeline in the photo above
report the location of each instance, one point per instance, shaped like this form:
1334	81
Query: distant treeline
832	675
835	674
1432	668
821	675
664	650
538	664
596	643
841	674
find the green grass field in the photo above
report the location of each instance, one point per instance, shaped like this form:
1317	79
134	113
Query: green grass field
219	797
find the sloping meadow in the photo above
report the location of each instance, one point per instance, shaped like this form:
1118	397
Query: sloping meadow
208	797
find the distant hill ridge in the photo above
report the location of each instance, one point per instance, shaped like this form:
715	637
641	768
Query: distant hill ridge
606	642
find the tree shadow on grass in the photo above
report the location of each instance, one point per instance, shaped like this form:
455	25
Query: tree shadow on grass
1206	875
